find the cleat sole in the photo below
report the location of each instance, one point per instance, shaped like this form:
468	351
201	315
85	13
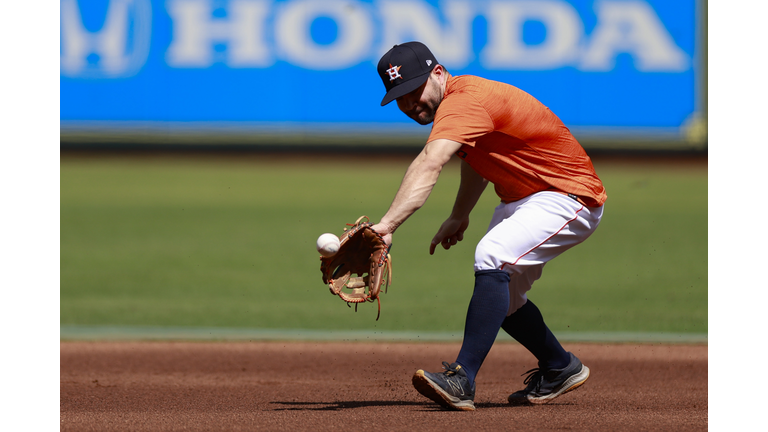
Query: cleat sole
432	391
570	384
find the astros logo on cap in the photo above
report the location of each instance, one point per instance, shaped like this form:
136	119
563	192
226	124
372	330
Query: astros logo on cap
394	72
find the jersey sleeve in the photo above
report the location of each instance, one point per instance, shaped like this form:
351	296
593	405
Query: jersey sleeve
461	118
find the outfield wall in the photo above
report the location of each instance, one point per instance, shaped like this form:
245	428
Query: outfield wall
619	73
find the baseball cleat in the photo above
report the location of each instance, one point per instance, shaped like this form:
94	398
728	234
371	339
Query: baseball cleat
545	385
450	389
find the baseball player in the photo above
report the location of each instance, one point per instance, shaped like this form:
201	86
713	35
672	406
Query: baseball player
551	200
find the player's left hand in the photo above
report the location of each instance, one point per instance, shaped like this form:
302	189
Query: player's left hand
450	233
384	231
361	265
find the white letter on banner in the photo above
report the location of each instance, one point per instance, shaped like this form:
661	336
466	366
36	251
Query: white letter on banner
506	49
632	27
195	31
111	43
294	39
409	20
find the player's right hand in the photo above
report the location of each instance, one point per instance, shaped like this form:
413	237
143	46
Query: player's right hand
450	233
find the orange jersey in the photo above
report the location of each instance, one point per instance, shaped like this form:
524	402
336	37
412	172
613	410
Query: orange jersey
514	141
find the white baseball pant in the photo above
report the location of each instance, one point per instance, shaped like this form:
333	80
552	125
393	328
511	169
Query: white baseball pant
524	235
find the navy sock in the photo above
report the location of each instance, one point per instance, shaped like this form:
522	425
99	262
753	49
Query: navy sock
527	326
486	312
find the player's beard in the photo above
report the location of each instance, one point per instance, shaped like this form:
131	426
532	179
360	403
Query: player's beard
424	112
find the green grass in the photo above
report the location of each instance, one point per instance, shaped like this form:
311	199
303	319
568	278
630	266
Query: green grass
230	243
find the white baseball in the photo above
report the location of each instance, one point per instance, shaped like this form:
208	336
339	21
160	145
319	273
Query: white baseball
328	245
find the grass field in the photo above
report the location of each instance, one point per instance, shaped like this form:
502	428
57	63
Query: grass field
226	242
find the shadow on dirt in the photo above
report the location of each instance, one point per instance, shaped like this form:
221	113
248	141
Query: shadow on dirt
340	405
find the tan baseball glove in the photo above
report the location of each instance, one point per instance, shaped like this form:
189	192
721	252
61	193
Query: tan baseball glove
362	251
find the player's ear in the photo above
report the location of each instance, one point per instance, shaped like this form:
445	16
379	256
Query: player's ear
439	73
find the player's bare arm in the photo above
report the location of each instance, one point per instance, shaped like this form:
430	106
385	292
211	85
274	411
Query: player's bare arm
470	189
417	184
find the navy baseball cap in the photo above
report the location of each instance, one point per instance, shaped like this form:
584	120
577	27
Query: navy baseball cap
404	68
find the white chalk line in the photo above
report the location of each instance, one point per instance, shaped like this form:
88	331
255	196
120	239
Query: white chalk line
125	333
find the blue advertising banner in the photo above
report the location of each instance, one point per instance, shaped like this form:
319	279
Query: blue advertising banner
622	67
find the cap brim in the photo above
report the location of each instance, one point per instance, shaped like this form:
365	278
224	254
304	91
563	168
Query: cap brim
405	88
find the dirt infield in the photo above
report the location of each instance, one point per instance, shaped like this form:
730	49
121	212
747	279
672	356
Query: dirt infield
337	386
